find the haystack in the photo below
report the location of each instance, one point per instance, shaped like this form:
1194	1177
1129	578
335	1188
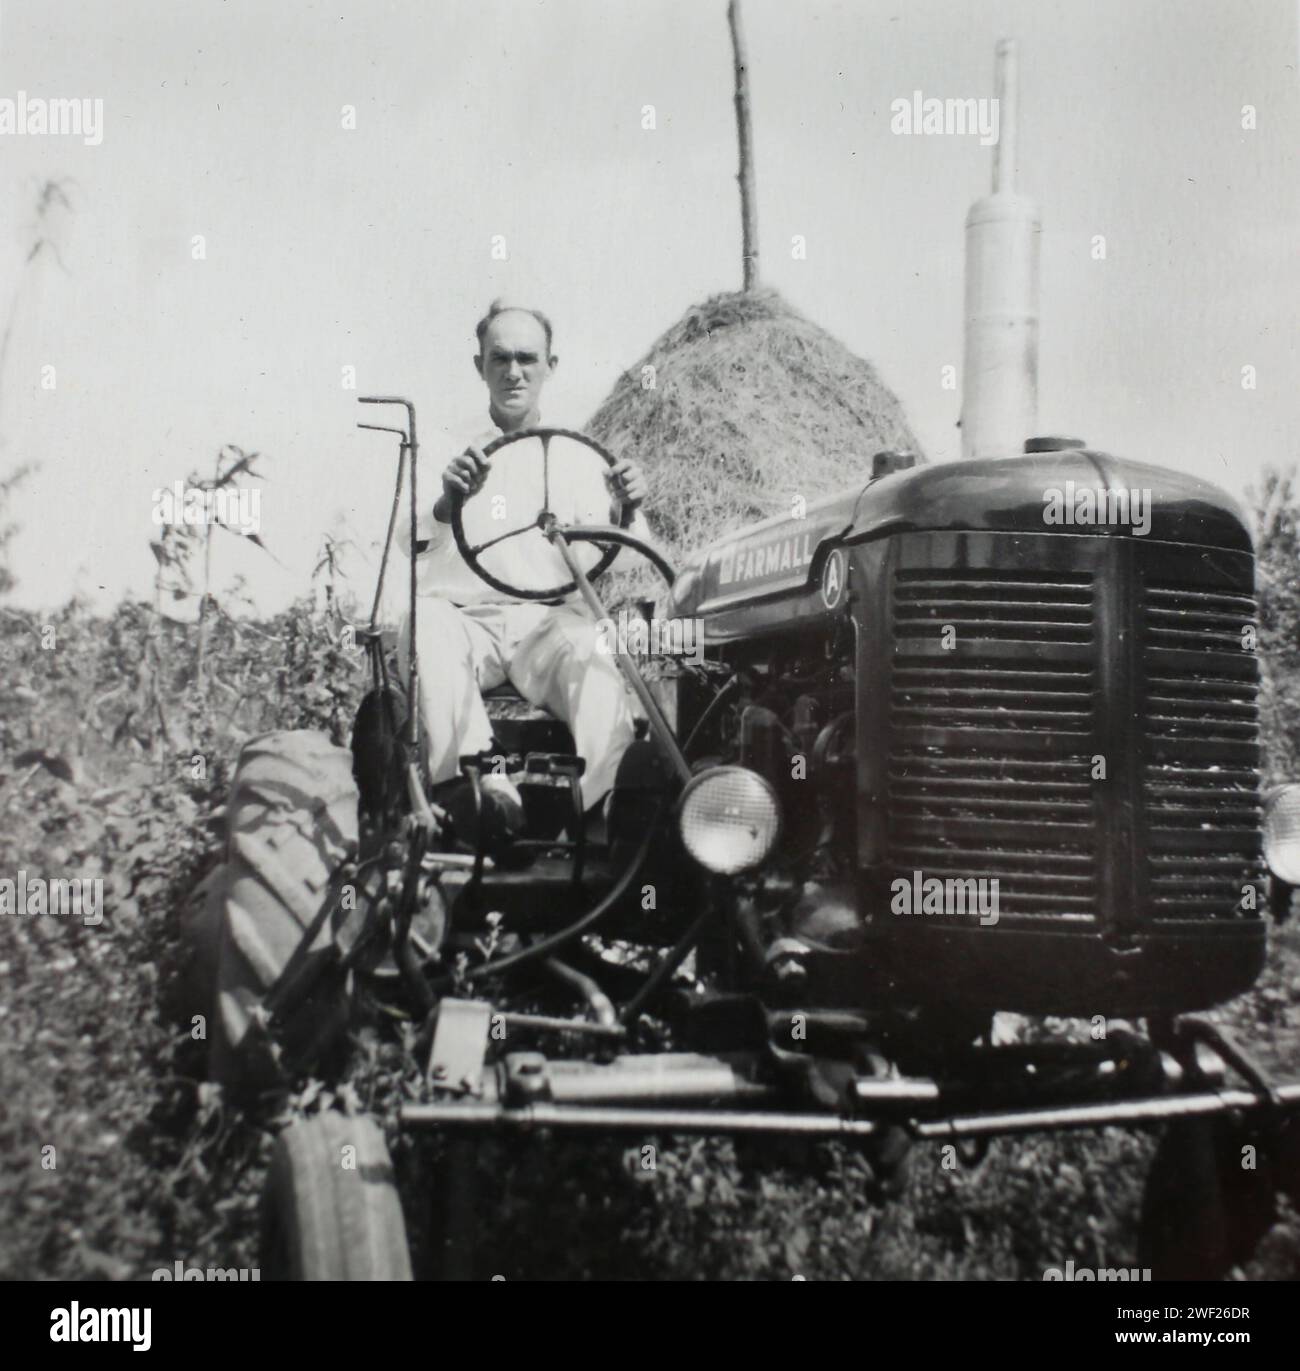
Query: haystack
751	406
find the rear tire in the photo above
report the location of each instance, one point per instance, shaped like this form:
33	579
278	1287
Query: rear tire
332	1211
291	820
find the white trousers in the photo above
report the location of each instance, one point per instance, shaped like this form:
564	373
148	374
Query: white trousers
548	653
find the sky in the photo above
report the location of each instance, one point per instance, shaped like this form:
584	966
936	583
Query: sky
326	247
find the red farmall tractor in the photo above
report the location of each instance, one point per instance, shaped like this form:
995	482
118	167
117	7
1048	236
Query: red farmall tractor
941	758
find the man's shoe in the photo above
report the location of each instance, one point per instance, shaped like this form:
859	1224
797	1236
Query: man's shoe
500	812
503	805
595	822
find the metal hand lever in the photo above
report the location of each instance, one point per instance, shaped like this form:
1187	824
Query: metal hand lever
411	445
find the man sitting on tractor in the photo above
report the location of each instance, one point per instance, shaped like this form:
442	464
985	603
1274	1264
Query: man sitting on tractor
471	637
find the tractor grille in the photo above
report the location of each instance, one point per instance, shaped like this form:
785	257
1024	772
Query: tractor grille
990	754
1201	727
1007	686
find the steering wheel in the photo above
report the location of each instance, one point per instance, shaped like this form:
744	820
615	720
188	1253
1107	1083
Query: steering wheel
545	520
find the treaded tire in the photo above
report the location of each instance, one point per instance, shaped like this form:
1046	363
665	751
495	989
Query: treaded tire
331	1214
1183	1232
291	819
1204	1211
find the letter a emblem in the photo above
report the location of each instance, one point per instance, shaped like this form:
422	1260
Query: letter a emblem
833	579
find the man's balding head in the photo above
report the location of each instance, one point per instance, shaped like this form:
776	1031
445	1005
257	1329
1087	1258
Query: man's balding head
499	307
515	360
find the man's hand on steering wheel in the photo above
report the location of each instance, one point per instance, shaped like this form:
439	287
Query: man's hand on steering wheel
463	477
627	483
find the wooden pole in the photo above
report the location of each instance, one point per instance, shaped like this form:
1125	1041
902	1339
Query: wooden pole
744	129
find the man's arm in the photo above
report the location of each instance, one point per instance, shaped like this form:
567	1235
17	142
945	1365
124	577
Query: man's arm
639	528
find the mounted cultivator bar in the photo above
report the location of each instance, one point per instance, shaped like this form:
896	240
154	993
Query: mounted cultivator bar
691	1092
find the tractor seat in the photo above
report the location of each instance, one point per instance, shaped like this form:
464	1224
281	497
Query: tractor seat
523	727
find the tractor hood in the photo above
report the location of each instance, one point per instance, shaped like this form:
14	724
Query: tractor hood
1076	491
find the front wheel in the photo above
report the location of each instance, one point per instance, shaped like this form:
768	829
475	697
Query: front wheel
331	1209
1183	1230
1208	1200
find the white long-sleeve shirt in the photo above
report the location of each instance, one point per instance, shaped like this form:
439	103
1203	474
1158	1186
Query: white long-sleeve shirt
514	492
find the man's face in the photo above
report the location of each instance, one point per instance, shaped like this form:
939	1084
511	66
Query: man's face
515	363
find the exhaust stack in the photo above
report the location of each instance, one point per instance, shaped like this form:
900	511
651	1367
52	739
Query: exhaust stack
1000	372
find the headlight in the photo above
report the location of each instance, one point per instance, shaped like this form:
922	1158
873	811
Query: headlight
729	819
1282	832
